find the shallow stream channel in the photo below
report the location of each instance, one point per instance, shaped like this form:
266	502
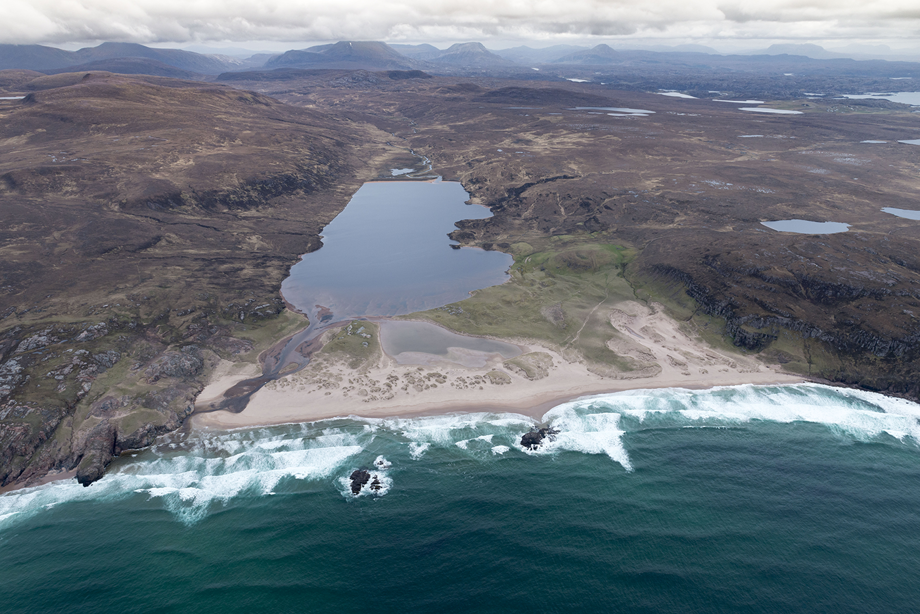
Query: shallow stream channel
386	254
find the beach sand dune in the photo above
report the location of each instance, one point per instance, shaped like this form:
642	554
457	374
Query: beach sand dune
663	354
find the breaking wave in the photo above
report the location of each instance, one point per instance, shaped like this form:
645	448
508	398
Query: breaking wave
191	475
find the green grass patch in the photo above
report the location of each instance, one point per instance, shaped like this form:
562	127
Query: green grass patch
269	331
137	419
560	294
358	343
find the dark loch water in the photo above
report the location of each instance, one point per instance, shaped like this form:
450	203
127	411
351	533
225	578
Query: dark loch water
387	253
796	498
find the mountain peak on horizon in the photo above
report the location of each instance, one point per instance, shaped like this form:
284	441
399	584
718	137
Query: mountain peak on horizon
599	54
344	54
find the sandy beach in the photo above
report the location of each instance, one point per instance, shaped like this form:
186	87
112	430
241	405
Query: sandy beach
327	388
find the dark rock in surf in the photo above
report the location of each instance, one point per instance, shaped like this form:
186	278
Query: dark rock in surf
359	477
376	485
534	439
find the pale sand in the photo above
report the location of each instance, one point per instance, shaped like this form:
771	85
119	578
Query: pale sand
667	356
225	376
53	476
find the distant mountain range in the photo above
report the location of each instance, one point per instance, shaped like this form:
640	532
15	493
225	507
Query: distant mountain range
39	57
470	58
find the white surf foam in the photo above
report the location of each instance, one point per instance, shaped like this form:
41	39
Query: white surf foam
190	477
449	429
416	449
189	481
464	444
585	431
862	415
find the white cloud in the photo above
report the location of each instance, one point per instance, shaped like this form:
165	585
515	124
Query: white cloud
181	21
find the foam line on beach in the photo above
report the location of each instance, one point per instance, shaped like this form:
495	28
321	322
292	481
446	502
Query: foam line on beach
192	476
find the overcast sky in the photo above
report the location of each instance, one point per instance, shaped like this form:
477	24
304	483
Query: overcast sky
725	24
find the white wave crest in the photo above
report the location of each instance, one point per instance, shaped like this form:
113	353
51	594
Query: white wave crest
593	425
190	476
416	449
190	481
862	415
589	433
448	429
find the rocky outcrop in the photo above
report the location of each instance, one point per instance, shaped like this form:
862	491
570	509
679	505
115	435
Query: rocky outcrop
11	376
847	339
535	438
98	451
24	430
359	477
184	363
67	360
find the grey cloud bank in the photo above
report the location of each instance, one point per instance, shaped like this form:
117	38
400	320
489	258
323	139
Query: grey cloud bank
203	21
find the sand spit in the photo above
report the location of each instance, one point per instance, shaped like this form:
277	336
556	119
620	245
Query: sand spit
663	354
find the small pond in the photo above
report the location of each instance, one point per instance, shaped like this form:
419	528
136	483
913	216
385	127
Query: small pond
807	228
912	98
673	94
905	213
424	343
622	110
767	110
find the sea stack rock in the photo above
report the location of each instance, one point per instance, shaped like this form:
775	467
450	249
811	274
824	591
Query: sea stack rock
534	439
359	478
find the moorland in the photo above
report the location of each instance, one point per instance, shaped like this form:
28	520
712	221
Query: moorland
149	222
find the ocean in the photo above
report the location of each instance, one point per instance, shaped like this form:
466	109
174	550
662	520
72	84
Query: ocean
794	498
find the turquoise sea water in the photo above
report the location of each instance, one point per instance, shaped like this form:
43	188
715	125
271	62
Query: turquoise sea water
799	498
